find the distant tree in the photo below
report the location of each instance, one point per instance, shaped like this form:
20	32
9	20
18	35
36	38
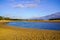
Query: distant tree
6	18
55	19
1	17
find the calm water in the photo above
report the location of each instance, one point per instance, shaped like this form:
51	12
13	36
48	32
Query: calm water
36	25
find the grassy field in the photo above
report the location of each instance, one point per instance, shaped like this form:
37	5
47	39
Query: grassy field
43	20
14	33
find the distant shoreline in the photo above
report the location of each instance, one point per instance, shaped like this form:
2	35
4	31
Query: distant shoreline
31	21
40	21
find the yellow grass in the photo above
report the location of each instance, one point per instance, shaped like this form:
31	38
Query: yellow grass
5	21
43	21
13	33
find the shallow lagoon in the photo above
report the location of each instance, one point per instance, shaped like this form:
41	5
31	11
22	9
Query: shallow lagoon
37	25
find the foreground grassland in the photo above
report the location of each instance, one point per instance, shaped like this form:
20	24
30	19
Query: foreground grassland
13	33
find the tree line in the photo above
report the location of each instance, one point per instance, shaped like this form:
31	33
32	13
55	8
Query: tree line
7	18
54	19
4	18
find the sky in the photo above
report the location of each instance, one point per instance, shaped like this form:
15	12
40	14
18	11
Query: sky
26	9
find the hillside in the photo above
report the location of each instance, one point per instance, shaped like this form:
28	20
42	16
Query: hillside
52	16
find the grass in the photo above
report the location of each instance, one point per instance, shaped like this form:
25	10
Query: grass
43	20
14	33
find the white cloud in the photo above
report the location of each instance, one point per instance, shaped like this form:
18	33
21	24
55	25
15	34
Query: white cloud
31	5
18	6
25	5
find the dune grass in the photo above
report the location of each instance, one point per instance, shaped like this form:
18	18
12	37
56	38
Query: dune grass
13	33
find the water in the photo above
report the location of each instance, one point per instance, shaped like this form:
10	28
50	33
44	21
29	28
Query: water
37	25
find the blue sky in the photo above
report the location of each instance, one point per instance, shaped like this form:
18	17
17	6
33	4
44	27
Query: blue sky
28	8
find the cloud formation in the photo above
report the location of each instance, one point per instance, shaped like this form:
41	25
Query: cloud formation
25	5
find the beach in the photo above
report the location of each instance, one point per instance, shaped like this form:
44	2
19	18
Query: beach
16	33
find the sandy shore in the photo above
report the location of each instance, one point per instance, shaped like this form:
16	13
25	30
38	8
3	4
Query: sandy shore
6	21
14	33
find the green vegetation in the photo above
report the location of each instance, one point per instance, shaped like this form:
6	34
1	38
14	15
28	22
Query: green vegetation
1	17
4	18
55	19
7	18
30	20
